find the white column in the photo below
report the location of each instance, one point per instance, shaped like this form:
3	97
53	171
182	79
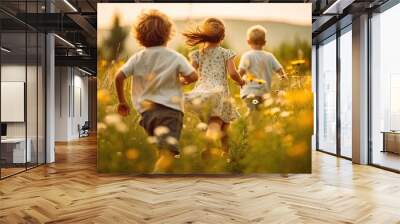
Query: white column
360	90
50	98
50	92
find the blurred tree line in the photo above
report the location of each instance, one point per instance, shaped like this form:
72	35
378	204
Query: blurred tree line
111	48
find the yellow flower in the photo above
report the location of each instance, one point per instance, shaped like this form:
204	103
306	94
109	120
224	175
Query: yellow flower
103	63
189	150
217	152
132	154
260	81
249	77
298	62
163	163
288	139
103	96
299	97
305	120
297	149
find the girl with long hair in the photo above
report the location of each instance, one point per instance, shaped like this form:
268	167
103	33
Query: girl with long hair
211	91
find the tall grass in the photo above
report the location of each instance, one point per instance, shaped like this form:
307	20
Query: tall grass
274	139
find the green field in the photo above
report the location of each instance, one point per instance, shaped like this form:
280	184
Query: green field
275	139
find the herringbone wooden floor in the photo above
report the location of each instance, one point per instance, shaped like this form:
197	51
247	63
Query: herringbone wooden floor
70	191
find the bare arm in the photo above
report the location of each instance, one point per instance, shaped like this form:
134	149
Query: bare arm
242	72
282	74
233	73
195	65
123	108
187	79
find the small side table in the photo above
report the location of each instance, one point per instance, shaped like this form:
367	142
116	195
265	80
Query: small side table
391	141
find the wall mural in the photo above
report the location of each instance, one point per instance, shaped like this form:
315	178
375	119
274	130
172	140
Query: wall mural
196	88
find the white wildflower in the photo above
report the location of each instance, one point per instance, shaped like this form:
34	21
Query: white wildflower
274	110
202	126
121	127
152	140
161	130
171	140
285	114
112	119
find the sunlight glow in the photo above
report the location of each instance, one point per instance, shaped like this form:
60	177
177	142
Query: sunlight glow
297	14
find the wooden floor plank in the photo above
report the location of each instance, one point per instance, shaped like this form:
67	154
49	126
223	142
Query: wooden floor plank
71	191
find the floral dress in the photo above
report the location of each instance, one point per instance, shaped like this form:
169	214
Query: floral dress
210	97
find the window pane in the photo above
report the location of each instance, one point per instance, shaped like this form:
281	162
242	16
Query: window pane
346	94
386	89
15	150
327	97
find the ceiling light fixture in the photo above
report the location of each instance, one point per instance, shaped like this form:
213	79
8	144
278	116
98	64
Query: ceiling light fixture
84	71
337	7
64	40
5	50
70	5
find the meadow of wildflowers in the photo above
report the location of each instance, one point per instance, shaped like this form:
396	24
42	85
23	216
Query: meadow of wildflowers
274	139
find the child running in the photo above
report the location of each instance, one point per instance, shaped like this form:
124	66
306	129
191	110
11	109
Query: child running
257	66
157	74
212	62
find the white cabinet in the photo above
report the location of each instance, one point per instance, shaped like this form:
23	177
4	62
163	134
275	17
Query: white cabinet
16	147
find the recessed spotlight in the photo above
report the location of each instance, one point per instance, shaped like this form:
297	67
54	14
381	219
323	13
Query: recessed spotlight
5	50
84	71
64	40
70	5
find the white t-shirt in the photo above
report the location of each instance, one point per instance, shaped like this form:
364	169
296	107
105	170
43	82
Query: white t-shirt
262	65
155	72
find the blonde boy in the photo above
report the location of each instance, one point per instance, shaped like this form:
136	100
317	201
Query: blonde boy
258	66
157	75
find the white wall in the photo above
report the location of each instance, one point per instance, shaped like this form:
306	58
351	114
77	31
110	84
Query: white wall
16	73
71	94
33	127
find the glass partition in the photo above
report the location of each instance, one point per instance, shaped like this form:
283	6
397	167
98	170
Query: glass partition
346	93
385	89
14	143
22	88
327	96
